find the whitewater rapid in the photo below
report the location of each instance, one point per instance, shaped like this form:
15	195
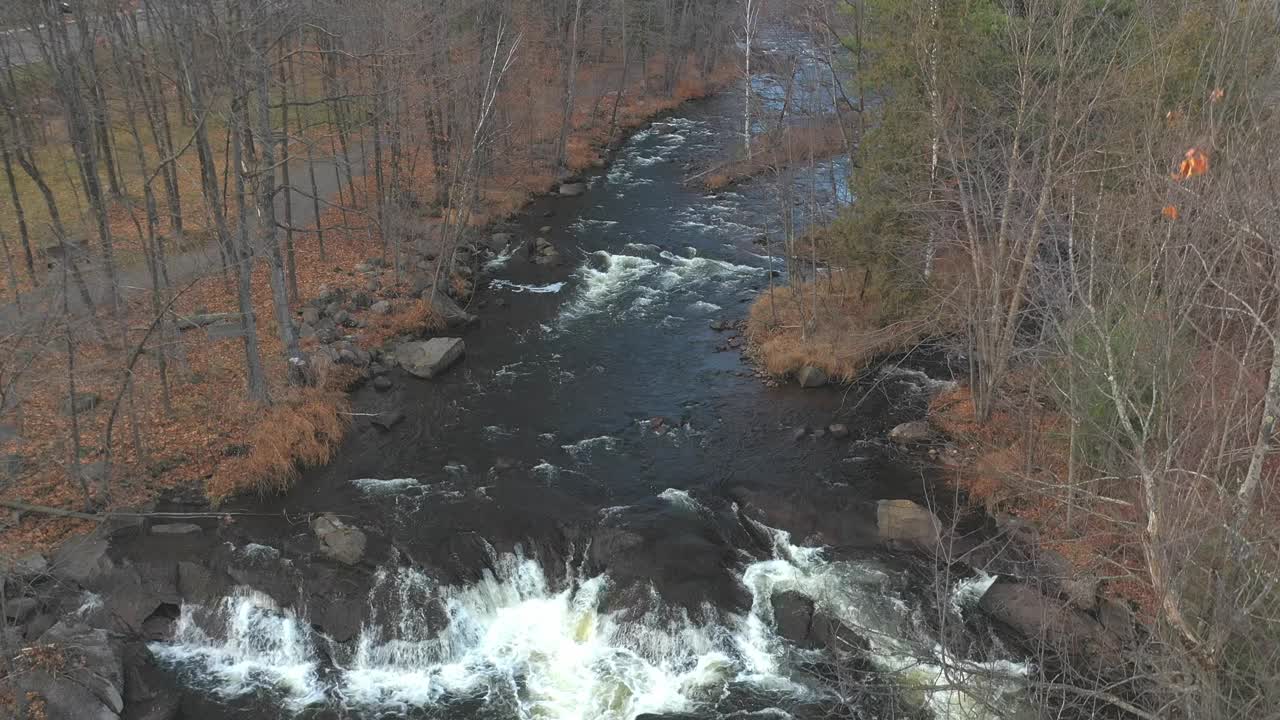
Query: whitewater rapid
523	647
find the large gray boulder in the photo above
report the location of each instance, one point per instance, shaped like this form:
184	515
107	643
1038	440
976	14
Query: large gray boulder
342	542
1048	621
88	682
811	377
573	189
916	431
904	522
429	359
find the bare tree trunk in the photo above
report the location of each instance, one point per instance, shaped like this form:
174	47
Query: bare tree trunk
266	180
291	262
570	85
24	235
243	267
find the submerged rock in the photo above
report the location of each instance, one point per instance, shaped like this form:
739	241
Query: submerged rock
429	359
572	189
389	419
811	377
839	431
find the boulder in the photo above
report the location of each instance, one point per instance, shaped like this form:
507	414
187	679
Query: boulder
389	419
310	315
382	383
905	522
17	610
196	583
572	189
429	359
82	562
26	565
548	258
839	431
792	616
543	246
454	316
1048	621
373	284
719	325
916	431
176	529
81	402
1081	589
265	569
811	377
1118	619
88	683
382	307
338	540
341	317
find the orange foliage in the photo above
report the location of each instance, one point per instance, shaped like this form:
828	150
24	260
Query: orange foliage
1170	212
1195	163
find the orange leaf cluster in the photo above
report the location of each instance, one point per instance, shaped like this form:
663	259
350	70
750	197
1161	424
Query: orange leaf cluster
1194	163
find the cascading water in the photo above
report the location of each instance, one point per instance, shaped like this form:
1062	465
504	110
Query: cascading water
522	648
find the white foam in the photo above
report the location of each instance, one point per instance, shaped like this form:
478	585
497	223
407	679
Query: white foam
966	594
499	284
90	602
703	306
606	277
501	259
376	486
916	380
584	449
264	646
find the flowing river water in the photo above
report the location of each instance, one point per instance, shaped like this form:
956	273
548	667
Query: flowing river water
540	547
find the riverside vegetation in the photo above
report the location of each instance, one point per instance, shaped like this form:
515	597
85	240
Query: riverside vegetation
1077	199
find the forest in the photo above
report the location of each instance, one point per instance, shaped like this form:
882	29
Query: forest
224	220
1080	197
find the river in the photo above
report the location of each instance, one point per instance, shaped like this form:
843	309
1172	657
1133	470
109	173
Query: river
542	547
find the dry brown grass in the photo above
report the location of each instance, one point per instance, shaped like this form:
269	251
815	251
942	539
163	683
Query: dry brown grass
416	317
848	329
301	431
